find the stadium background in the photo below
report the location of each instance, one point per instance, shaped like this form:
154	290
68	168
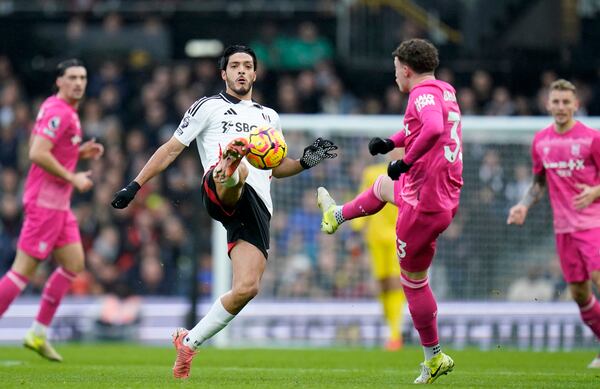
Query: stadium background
149	60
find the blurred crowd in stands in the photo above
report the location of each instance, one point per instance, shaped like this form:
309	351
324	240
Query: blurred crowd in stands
134	103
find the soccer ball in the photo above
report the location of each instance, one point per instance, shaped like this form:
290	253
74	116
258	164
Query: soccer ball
267	148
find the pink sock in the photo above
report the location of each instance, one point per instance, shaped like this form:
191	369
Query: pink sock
590	313
366	203
11	285
423	309
56	287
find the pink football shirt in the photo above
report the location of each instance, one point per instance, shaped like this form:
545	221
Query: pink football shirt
567	160
58	122
432	136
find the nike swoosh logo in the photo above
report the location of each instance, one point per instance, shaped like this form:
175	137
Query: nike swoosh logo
435	372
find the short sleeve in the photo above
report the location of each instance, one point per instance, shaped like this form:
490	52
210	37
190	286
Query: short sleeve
51	124
428	101
538	165
194	122
277	122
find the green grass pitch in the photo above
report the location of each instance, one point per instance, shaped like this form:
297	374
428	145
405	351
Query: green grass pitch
121	366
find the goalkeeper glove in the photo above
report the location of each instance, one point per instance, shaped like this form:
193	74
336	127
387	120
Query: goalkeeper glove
381	146
317	152
124	196
396	168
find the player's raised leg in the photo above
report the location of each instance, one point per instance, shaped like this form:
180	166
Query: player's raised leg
226	172
371	201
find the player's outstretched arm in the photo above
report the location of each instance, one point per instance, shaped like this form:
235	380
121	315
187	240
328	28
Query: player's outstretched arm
160	160
320	150
518	213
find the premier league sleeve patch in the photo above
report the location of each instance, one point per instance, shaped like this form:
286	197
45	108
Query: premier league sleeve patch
54	123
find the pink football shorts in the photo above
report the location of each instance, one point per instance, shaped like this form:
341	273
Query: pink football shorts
416	234
47	229
579	254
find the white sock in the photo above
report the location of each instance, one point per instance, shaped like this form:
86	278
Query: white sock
215	320
233	180
431	352
339	216
38	328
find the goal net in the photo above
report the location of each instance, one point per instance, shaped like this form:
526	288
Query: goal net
479	257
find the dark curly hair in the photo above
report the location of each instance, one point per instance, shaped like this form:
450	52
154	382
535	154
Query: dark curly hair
419	54
229	51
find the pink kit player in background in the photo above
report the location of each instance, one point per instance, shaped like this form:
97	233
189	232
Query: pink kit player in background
566	159
50	225
425	186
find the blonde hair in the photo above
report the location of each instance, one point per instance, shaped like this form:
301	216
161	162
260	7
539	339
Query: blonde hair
563	85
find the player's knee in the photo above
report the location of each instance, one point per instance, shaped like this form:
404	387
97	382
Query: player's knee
246	292
414	276
384	188
75	266
595	275
243	171
579	293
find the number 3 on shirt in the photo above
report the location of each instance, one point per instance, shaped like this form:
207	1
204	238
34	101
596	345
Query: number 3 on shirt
454	118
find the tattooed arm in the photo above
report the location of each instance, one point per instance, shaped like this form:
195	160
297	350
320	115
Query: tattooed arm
518	213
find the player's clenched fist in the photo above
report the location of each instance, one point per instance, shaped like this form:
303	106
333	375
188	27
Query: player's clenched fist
124	196
397	168
517	215
380	146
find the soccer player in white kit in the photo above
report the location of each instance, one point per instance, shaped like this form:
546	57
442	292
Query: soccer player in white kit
234	192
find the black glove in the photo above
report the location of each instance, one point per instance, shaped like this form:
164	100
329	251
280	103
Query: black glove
381	146
396	168
124	196
317	152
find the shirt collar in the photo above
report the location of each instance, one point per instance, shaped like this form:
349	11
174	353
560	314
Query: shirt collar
235	100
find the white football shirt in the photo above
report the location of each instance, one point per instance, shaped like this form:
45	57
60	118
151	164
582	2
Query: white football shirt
215	121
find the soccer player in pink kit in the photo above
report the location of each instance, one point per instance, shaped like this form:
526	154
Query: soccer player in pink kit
50	225
424	185
566	159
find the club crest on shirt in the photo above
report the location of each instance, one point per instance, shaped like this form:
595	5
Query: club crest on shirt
575	148
75	139
546	150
